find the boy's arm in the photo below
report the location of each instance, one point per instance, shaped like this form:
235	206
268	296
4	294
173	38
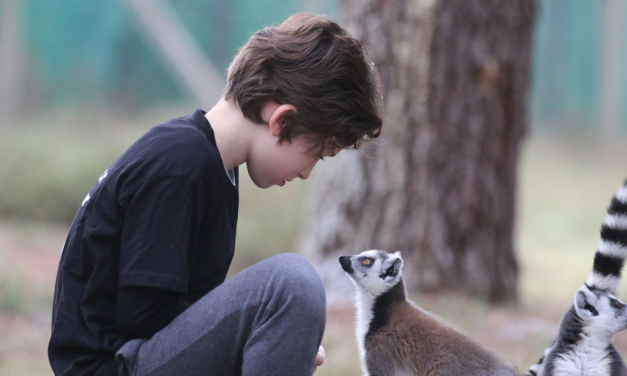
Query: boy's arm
141	311
161	225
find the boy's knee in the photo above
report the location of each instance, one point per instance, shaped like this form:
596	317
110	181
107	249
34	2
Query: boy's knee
291	263
299	283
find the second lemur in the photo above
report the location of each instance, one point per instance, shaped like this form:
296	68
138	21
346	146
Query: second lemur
583	346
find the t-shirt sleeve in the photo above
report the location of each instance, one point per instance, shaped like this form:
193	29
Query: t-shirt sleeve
160	227
140	312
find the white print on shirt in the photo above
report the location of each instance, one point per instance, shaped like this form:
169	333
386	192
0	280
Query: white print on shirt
85	200
103	176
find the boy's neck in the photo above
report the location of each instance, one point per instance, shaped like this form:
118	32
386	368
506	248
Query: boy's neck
233	132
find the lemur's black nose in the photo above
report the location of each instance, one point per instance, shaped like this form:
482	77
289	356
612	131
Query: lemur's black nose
345	262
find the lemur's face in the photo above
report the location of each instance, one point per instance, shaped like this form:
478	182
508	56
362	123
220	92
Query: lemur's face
600	310
373	271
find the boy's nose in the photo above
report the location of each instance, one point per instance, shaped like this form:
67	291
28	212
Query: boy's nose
305	173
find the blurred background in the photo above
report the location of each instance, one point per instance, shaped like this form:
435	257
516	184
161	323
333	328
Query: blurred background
80	81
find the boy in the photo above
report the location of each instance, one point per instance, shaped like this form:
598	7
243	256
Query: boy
140	287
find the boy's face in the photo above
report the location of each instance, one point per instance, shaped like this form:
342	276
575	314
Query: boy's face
273	163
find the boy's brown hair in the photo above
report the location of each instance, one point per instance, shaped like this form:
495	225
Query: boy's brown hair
314	64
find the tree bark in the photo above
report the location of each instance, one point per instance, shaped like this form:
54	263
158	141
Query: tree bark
439	183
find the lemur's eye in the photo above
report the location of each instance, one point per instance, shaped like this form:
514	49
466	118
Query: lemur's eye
616	304
366	262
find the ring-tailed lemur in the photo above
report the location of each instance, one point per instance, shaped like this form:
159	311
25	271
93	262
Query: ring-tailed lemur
583	345
398	338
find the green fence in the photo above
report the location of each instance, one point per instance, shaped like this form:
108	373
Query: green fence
81	53
85	52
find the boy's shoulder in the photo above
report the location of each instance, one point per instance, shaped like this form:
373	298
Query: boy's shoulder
183	131
182	146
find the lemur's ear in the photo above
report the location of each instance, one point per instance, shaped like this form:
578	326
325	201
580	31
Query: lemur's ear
584	302
392	268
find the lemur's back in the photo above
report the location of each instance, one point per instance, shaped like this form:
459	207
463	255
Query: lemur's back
430	346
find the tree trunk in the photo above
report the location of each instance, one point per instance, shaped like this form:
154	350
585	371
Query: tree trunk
439	183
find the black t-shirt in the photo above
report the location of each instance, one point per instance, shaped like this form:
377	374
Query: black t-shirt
162	218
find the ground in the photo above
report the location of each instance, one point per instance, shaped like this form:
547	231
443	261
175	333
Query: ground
517	333
30	255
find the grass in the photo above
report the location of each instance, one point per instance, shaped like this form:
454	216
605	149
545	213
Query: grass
46	170
269	220
13	294
48	166
564	187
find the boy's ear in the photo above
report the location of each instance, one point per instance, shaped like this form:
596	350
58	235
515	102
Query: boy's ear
276	117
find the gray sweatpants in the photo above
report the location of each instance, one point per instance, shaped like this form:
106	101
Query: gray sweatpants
267	320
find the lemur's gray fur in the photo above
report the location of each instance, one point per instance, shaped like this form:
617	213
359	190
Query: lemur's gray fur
398	338
583	345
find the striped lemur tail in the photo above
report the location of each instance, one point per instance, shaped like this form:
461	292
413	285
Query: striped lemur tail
609	259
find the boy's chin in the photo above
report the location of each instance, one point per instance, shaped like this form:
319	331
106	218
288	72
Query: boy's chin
260	180
262	183
265	186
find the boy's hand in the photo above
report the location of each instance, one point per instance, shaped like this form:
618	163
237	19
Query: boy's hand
319	358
